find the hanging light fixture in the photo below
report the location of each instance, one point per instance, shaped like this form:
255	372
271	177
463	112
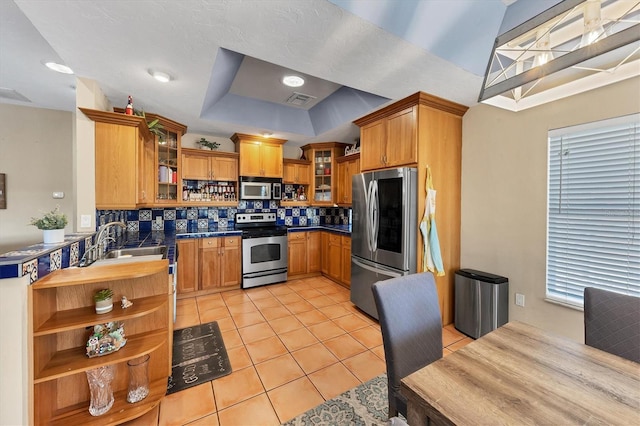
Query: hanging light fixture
593	29
572	47
543	47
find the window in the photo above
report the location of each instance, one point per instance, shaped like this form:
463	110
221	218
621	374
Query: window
593	218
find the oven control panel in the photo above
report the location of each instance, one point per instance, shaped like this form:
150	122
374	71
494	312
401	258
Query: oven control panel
255	218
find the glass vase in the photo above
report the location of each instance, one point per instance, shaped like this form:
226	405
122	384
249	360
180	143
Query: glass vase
138	379
100	386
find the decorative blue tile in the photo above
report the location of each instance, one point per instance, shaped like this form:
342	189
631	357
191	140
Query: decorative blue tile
323	212
242	205
30	268
273	204
74	254
144	225
288	212
302	220
66	256
181	224
288	220
169	214
257	204
181	213
55	260
203	223
222	213
223	223
145	215
132	215
192	214
169	225
203	213
281	213
133	226
213	213
295	220
295	212
157	225
9	271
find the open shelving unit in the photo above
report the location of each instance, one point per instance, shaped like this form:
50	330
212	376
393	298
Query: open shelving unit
62	315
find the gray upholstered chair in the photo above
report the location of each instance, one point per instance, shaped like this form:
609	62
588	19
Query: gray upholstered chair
411	329
612	322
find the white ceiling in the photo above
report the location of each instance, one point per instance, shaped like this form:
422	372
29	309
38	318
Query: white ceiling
385	48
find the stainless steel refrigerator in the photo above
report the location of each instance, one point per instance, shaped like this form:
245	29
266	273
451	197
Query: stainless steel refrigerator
384	229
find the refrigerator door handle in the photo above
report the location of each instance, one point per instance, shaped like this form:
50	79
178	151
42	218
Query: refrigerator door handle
375	216
369	220
387	272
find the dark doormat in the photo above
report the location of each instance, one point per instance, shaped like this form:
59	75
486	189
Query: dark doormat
198	356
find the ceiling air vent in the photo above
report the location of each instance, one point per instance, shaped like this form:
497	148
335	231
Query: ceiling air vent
299	99
11	94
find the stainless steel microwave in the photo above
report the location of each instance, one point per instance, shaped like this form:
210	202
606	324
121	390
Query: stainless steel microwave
257	188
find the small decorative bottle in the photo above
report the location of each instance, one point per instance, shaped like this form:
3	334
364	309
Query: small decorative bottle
129	109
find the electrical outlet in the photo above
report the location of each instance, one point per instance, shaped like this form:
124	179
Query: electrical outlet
519	299
85	220
58	195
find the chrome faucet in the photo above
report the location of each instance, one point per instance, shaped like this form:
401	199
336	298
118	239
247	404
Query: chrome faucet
96	251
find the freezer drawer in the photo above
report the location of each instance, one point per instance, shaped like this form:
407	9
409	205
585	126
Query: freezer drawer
481	302
363	275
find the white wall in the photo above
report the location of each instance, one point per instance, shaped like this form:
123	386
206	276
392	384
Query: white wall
36	156
504	184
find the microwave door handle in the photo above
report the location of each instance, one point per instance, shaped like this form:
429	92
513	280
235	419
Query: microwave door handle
375	216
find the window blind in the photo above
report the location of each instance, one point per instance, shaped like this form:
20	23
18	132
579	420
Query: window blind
593	221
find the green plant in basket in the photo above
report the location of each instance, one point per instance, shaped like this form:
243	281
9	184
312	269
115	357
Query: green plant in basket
103	294
154	126
54	219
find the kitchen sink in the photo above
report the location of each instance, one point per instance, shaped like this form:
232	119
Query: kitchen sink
137	251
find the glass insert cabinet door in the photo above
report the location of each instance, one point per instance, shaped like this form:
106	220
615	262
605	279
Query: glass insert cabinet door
167	148
322	175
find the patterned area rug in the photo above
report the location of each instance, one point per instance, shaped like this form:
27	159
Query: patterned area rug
365	404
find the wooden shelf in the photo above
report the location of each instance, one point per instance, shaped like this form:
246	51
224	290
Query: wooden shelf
120	412
85	317
74	360
101	273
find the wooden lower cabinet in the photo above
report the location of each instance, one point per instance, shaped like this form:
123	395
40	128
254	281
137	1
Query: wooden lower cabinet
345	276
207	265
336	257
62	310
304	253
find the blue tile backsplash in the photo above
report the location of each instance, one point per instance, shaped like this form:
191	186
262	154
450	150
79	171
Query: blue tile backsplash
182	218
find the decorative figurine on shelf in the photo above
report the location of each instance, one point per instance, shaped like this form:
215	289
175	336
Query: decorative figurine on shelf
106	338
129	109
125	303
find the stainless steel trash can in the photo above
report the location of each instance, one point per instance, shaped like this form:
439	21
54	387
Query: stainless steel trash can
481	302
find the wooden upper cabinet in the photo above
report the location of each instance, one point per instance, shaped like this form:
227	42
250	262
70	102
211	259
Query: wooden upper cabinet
390	142
259	156
209	165
123	147
324	173
297	171
347	167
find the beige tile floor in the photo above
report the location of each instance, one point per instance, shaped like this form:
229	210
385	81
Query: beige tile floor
291	345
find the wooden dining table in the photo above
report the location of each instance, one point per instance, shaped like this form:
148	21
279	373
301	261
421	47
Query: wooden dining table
521	375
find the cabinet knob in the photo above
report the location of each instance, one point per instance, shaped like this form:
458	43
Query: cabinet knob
209	242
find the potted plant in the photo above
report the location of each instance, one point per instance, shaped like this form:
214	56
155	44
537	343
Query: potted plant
104	301
205	143
52	224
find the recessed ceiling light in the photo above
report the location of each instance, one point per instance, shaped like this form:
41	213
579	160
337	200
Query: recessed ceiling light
59	67
292	81
162	77
267	134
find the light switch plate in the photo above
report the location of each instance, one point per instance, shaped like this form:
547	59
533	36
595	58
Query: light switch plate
85	221
58	195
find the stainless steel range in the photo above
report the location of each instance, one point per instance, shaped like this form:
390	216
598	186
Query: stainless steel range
264	249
